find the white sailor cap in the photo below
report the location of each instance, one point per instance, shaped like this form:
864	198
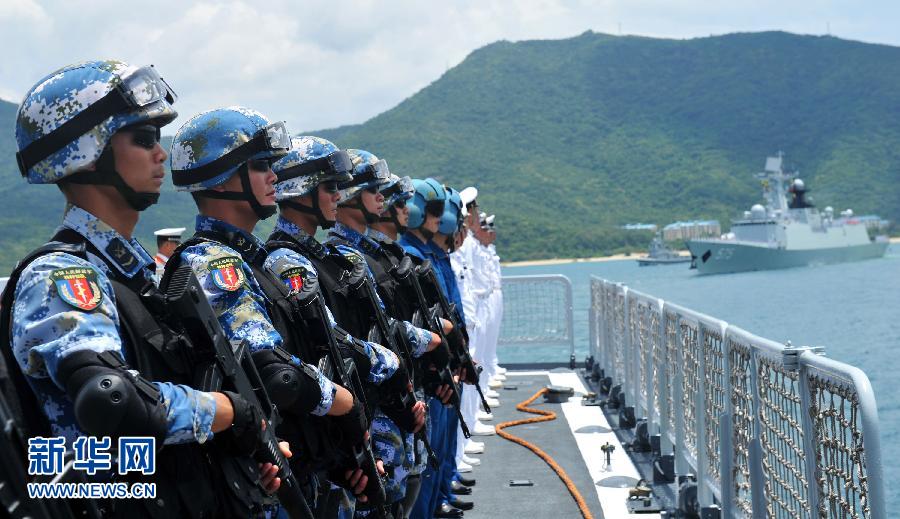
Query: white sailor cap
172	233
468	194
490	220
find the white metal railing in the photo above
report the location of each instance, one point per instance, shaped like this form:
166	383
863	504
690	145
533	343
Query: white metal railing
769	430
537	312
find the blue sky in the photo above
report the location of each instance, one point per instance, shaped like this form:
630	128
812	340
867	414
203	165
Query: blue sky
318	63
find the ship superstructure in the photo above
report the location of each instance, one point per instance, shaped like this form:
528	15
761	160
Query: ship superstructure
788	231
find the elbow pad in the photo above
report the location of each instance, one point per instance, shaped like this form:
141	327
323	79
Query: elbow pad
109	400
291	388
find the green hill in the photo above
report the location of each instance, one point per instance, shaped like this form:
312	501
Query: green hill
567	139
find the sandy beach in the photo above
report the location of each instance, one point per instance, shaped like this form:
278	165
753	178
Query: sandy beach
560	261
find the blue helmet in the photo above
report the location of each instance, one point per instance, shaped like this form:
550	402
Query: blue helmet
66	120
452	217
311	161
428	198
214	145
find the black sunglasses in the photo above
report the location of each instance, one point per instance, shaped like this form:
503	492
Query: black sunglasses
372	189
146	136
330	187
435	208
262	165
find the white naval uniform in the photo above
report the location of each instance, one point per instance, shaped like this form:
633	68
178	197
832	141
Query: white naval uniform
469	404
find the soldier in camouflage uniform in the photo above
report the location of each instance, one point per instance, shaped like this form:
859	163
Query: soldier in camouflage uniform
223	157
93	129
307	194
361	204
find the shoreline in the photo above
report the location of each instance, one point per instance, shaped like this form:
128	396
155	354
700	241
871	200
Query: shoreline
614	257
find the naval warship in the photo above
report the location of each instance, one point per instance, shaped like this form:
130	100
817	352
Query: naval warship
661	254
785	233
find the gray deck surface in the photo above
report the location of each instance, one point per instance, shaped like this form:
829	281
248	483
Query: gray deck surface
504	460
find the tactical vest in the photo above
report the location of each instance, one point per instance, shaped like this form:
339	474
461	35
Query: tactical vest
338	279
312	435
189	477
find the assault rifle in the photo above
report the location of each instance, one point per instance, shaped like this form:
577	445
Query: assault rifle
457	335
433	322
391	337
342	370
228	365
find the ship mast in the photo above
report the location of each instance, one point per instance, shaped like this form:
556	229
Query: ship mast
775	179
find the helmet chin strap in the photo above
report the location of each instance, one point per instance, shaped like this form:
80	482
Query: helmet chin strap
393	219
105	174
369	217
245	194
315	210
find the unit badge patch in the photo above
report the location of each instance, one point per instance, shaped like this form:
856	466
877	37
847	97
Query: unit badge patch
294	278
227	273
78	287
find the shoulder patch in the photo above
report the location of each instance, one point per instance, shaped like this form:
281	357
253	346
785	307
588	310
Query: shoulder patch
78	287
227	273
294	278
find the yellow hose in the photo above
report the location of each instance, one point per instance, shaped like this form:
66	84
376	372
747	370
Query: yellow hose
546	416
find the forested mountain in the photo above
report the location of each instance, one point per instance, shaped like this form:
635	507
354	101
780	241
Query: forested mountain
568	139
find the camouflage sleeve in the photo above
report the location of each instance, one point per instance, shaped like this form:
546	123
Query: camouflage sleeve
417	338
389	446
326	388
384	362
64	304
233	294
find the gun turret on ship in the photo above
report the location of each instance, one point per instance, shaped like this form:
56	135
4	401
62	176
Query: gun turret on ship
785	232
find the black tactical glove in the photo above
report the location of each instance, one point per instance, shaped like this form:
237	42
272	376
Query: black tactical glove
244	436
352	426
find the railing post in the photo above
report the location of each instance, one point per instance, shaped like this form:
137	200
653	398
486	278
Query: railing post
810	466
704	496
726	424
666	385
755	458
682	466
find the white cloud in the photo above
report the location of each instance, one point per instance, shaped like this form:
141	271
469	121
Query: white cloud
325	63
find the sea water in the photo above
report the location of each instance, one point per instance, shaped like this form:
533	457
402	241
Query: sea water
852	309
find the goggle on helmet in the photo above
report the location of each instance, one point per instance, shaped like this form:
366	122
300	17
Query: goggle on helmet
66	120
211	146
311	161
397	190
368	172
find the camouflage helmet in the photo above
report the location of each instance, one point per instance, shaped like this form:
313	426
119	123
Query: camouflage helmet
397	189
66	120
210	147
368	171
429	198
311	161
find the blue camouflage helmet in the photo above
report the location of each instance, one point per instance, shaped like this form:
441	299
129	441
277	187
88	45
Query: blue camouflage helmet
428	198
398	189
311	161
368	171
452	217
213	145
66	120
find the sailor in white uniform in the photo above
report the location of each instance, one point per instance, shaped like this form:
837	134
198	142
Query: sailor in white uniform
166	242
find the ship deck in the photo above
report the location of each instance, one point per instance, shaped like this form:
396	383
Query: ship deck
573	440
